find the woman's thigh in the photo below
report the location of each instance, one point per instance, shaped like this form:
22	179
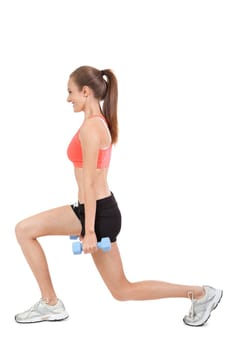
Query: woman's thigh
57	221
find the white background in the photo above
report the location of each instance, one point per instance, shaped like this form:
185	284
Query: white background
171	170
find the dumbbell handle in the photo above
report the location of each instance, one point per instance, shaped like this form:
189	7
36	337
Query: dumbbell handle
73	237
104	244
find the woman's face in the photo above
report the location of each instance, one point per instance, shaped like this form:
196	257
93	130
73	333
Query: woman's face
76	96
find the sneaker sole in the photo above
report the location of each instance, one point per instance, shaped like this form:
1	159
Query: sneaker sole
45	320
202	324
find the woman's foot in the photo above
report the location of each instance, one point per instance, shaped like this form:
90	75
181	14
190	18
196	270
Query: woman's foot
42	311
201	308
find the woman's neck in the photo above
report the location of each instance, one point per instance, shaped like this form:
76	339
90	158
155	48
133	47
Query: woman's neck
92	110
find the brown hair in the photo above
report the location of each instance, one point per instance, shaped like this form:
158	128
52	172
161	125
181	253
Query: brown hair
104	86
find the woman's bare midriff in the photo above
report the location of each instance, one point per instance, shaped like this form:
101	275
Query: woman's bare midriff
101	184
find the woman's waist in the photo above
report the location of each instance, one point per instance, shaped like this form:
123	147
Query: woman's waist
99	195
108	202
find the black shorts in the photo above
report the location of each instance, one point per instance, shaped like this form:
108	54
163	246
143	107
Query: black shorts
107	220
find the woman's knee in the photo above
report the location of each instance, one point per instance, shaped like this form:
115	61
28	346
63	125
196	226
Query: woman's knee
22	231
122	292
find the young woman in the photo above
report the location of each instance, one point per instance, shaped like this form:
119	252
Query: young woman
96	213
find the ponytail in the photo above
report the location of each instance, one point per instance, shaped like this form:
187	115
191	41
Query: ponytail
110	103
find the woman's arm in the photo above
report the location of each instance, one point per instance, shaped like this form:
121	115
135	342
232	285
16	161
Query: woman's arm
90	142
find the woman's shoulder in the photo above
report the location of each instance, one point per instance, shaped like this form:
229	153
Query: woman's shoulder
89	129
92	124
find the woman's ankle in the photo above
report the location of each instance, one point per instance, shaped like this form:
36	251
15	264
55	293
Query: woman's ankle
200	294
50	301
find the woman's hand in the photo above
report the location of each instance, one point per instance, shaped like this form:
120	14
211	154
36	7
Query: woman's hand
89	243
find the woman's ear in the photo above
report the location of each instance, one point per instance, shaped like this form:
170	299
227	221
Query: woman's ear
86	91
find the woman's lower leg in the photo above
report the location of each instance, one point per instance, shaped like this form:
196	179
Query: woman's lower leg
36	259
148	290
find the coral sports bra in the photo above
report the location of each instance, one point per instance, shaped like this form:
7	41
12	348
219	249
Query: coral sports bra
74	151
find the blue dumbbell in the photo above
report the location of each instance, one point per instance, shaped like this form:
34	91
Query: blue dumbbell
104	244
73	237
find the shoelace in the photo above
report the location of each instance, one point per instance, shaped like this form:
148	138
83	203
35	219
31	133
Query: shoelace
34	307
191	311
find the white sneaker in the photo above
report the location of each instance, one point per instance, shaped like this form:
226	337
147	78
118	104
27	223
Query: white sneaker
43	312
201	308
